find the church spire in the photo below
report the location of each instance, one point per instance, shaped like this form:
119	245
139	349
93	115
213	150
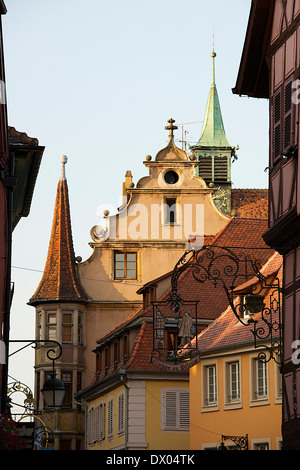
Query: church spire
60	281
213	132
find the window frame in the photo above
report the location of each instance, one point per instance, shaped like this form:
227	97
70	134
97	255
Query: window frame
51	326
232	395
110	418
256	397
121	413
207	404
125	261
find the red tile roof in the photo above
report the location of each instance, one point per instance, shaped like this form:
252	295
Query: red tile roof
60	280
251	203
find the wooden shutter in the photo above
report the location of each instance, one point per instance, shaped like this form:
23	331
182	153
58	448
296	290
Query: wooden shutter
121	413
110	417
101	421
177	410
287	120
184	410
170	409
205	168
277	124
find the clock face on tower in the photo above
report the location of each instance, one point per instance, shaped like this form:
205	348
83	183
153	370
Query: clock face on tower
221	200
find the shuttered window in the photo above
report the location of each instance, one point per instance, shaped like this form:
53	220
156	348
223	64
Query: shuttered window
287	129
101	434
282	119
175	410
277	124
110	415
121	413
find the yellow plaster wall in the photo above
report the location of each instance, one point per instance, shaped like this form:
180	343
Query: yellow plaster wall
155	437
116	440
259	422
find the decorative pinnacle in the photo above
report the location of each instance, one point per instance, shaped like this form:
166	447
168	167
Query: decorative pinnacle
63	160
171	128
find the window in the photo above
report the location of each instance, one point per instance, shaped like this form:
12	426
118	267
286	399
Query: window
116	354
107	359
259	382
67	326
209	389
282	119
121	413
233	378
175	410
51	328
171	177
67	378
101	410
39	326
170	217
261	379
110	416
80	340
211	384
125	348
125	265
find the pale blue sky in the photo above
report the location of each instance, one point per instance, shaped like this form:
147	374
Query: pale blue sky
98	81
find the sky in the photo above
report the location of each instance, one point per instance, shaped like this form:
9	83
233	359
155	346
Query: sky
97	81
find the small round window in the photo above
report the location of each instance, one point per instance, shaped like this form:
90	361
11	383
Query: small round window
171	177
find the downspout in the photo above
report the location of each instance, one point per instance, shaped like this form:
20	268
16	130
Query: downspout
126	411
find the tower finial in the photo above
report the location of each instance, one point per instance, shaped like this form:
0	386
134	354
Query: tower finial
171	128
63	160
213	55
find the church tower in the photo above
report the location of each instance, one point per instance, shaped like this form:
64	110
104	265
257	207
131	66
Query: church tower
213	151
60	304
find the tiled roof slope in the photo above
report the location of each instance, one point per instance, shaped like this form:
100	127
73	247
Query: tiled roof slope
251	203
60	280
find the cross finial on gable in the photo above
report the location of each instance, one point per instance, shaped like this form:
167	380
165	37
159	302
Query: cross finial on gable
171	128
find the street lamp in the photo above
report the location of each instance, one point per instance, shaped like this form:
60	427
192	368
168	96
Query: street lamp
240	441
53	389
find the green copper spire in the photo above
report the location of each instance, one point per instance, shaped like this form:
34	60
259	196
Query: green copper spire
213	133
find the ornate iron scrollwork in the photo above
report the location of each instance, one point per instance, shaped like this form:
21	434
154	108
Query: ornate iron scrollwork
232	269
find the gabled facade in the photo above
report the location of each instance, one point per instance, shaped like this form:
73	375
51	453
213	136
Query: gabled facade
146	237
234	391
270	68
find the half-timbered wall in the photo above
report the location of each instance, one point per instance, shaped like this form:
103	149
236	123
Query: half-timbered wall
283	56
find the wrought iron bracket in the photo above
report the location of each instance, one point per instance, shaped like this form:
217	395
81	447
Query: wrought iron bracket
232	269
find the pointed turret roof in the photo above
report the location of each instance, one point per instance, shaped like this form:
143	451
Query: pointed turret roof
60	281
213	132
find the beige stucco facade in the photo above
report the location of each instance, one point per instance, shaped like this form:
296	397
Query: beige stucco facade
158	218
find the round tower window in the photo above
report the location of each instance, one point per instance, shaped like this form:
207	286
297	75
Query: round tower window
171	177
